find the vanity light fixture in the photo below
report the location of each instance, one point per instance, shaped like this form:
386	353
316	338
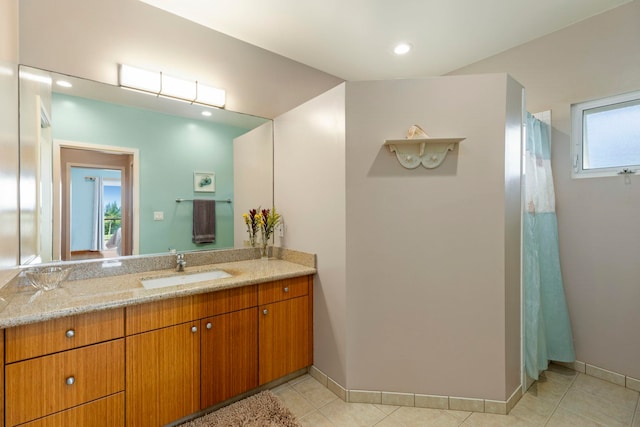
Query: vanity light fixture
139	79
206	113
160	84
208	95
174	87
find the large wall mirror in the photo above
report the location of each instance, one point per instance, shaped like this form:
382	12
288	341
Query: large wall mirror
107	172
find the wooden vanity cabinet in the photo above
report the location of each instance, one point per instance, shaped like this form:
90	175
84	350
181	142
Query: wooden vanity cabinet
174	370
57	369
285	327
181	355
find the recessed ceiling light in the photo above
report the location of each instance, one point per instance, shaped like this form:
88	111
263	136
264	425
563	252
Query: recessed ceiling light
206	113
63	83
402	48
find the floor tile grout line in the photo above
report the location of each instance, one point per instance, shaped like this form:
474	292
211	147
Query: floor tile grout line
385	414
589	392
315	409
466	418
636	412
290	386
309	401
548	419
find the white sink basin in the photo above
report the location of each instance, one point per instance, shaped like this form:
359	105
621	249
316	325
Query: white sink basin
183	279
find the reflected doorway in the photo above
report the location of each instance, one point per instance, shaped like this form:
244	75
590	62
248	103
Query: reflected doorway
96	204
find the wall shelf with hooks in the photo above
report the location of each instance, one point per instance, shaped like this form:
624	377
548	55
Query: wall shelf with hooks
419	148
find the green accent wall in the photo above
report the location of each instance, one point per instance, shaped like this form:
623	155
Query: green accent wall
171	150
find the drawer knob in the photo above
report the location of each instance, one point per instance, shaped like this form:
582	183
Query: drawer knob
265	311
194	329
70	333
209	325
286	289
70	380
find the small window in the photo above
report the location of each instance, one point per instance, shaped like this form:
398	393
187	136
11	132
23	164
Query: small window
606	136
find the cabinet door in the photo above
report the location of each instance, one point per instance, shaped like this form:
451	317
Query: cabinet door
284	338
163	375
229	356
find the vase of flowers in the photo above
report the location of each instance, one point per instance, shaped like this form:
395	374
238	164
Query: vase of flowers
251	220
267	220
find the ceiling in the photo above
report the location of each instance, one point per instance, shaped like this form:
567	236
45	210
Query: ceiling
354	39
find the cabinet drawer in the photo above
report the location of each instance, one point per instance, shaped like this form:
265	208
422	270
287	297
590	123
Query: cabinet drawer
105	412
38	387
225	301
38	339
159	314
281	290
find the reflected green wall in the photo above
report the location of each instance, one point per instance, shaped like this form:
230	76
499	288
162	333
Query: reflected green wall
171	150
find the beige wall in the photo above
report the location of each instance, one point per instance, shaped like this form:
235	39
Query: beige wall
413	273
426	264
252	176
309	191
9	133
88	38
9	31
598	217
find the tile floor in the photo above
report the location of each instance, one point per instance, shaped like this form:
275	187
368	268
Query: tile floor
562	397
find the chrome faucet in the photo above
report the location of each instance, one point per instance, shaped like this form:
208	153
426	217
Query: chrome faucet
181	263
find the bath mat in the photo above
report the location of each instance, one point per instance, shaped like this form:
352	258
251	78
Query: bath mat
260	410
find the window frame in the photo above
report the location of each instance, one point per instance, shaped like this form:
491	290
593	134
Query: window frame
577	139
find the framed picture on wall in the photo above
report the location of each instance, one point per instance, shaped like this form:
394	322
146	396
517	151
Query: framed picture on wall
204	182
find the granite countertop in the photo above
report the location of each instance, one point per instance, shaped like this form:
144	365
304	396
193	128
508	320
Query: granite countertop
21	304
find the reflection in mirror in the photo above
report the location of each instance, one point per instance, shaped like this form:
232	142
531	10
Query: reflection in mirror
64	216
96	230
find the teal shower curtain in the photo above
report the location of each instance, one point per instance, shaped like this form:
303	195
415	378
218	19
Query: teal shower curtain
547	329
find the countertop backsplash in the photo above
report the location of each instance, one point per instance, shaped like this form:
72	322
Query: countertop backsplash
106	267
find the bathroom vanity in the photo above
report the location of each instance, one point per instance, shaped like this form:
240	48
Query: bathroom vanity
106	351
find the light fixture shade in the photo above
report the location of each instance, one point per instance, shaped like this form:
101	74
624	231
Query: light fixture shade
161	84
178	88
137	78
211	96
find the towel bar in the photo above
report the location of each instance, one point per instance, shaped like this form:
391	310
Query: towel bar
191	200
